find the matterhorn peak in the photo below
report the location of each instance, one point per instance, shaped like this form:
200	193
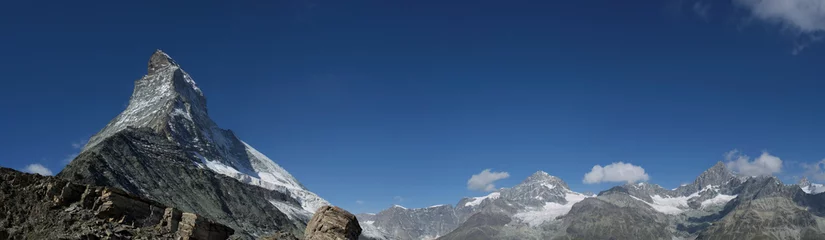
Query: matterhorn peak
159	101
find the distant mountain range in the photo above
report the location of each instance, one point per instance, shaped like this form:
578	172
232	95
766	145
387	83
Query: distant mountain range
718	204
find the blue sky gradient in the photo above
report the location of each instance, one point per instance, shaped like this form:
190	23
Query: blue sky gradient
388	102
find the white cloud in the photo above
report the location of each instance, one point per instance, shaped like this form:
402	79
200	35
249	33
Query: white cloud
484	181
802	15
78	144
765	164
804	18
359	202
616	172
39	169
398	198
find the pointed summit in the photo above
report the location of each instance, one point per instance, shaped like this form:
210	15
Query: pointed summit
545	178
804	182
160	60
719	165
160	101
715	176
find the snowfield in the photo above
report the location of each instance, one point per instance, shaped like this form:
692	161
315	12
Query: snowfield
551	210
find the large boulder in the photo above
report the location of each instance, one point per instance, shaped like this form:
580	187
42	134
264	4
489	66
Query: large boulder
332	223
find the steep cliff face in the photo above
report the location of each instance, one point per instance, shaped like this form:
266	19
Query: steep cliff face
38	207
165	147
144	163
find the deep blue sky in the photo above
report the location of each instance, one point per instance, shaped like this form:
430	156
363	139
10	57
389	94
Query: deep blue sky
369	100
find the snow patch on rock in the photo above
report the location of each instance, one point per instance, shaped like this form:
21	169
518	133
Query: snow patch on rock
478	200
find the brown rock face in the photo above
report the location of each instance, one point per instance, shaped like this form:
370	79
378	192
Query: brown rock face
159	60
37	207
332	223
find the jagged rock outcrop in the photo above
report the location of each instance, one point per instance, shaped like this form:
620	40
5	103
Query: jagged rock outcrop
332	223
38	207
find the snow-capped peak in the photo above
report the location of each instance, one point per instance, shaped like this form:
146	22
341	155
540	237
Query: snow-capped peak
168	101
545	179
810	188
804	182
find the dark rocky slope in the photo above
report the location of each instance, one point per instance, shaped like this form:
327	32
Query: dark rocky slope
480	226
144	163
38	207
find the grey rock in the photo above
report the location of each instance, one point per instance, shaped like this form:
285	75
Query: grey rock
718	175
403	223
595	218
768	209
481	226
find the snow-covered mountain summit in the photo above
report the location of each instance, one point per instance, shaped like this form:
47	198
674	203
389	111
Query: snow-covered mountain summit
168	101
713	187
810	188
541	197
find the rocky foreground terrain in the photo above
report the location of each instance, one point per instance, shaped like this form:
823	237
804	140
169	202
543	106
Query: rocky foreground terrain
38	207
